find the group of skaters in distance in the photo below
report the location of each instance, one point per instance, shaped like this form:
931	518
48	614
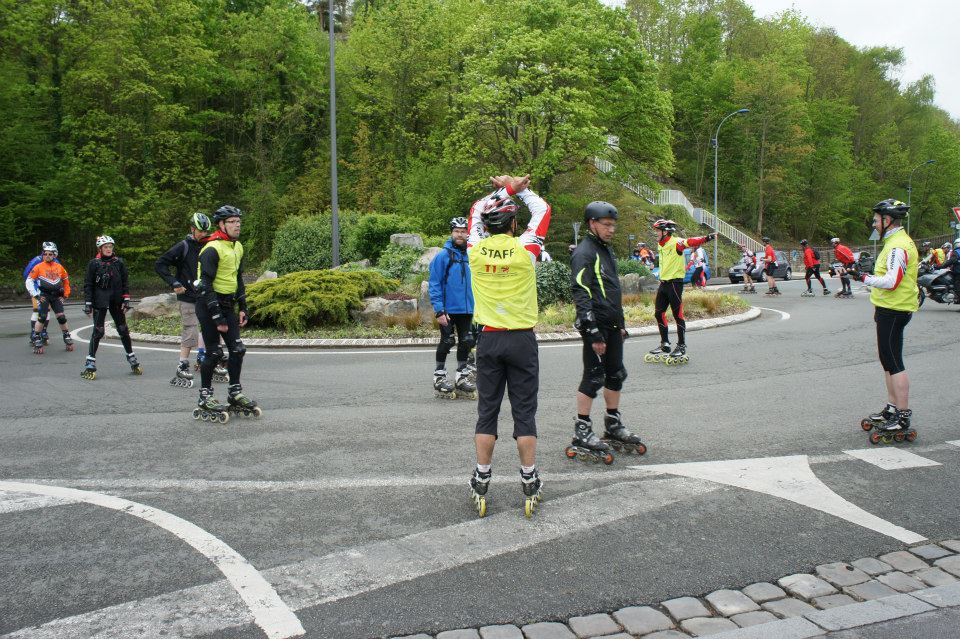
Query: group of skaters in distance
483	290
207	278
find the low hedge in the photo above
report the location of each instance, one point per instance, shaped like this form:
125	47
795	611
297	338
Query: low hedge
305	299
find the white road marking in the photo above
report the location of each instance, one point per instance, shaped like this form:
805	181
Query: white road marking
784	316
954	442
269	612
891	458
788	478
210	608
13	502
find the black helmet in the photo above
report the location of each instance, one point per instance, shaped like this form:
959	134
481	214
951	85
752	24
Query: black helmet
765	239
803	242
498	212
201	222
894	208
458	223
598	211
226	212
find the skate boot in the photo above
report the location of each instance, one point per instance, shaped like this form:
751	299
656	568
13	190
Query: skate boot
45	337
183	377
807	293
586	446
135	367
872	421
896	429
67	340
444	389
38	345
479	484
745	289
532	492
209	409
678	356
658	354
220	374
89	369
241	404
826	291
465	388
752	289
619	438
201	353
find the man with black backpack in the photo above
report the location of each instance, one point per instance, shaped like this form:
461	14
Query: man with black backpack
452	299
182	258
811	259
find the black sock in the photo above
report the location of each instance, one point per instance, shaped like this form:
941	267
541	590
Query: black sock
613	411
585	418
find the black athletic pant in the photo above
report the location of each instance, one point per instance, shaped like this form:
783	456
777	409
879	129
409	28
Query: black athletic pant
670	294
603	371
508	360
212	336
814	271
461	324
119	322
890	325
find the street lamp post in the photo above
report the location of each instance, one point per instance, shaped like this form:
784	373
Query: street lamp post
334	187
910	188
716	147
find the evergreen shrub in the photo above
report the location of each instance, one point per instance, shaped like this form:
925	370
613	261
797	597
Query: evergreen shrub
372	233
553	283
632	266
304	299
397	261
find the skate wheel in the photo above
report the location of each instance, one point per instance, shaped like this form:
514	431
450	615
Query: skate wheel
203	416
608	459
481	503
223	417
866	424
189	383
648	358
875	438
888	439
257	412
641	449
911	435
136	370
899	437
196	413
570	452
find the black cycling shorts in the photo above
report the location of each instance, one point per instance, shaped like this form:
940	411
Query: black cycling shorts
890	325
770	270
507	361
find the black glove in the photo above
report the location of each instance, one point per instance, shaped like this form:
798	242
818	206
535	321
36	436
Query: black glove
710	237
88	308
126	303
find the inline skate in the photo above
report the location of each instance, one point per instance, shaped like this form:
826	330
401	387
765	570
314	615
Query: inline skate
896	429
89	369
183	377
748	289
135	367
241	404
678	356
67	341
807	293
619	438
479	484
38	345
875	419
844	294
209	409
658	354
444	389
465	388
826	291
773	292
532	492
586	446
220	373
44	336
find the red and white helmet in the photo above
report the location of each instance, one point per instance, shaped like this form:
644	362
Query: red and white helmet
498	212
104	239
665	225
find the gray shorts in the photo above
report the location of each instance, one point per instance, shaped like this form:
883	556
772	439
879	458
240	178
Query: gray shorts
189	335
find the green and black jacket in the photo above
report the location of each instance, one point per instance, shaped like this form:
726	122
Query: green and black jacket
596	285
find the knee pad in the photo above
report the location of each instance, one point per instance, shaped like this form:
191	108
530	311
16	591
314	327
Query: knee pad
615	382
239	349
34	317
214	356
449	340
469	340
61	319
98	332
123	330
592	381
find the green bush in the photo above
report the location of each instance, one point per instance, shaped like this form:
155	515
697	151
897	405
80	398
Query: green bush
305	299
397	261
371	235
553	283
435	240
632	266
304	243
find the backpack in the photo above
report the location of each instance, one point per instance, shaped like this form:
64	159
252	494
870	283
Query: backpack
816	253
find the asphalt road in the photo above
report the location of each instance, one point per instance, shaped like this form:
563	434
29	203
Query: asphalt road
349	500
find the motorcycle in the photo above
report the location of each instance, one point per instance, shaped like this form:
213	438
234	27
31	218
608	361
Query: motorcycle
937	284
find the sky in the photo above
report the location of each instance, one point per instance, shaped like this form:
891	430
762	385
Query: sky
926	30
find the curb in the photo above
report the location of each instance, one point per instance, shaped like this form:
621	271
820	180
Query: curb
282	342
835	597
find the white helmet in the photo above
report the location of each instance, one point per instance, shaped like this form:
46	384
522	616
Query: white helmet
50	246
835	240
104	239
945	245
956	244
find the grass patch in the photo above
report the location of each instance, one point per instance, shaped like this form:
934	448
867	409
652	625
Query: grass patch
556	318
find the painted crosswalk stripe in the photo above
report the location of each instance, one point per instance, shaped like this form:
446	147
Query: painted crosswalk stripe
954	442
891	458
